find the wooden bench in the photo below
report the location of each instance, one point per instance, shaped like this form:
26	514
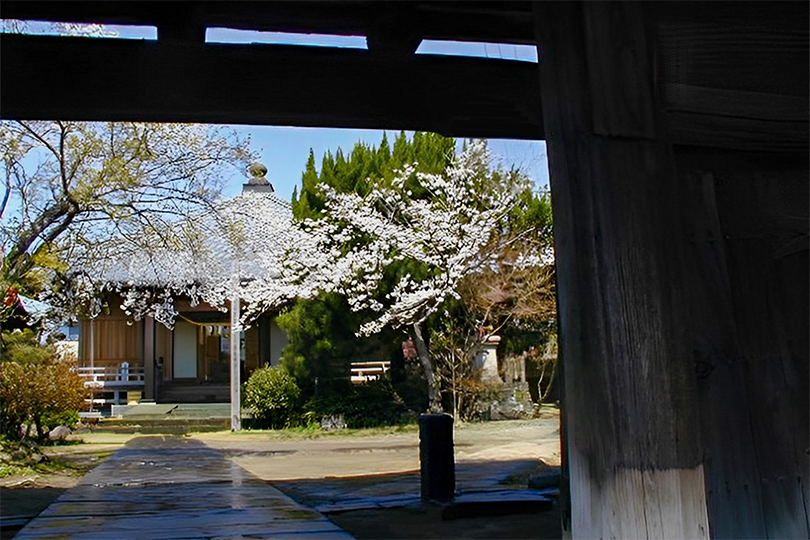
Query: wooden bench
363	372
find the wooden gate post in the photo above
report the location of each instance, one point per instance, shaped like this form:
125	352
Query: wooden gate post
633	445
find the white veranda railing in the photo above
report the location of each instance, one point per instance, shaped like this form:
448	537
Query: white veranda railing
111	376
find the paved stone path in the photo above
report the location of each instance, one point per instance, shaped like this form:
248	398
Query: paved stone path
164	488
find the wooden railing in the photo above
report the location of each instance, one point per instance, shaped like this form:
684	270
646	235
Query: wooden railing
112	376
363	372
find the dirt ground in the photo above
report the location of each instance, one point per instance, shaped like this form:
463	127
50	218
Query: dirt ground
342	475
274	459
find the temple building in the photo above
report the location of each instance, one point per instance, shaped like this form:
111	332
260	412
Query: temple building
189	360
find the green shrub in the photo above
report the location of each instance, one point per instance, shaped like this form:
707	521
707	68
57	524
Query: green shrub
274	395
21	347
38	394
367	405
56	417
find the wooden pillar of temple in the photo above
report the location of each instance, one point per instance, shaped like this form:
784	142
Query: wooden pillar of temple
632	438
149	358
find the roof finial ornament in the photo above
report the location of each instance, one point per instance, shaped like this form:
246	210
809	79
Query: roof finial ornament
258	182
258	172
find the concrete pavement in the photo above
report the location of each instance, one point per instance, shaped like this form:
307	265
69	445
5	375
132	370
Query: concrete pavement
164	488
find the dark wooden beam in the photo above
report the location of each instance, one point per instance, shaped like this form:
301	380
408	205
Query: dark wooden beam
736	78
108	79
742	84
465	21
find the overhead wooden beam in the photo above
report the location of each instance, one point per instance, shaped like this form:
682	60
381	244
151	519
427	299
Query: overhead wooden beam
736	78
712	88
466	21
106	79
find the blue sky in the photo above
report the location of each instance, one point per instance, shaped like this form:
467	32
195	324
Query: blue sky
284	150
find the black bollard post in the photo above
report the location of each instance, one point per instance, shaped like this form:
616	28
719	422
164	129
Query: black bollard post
437	463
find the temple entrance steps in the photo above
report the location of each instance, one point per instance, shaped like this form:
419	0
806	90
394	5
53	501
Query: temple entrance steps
193	392
171	418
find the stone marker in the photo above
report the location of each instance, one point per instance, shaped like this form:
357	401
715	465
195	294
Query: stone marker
437	464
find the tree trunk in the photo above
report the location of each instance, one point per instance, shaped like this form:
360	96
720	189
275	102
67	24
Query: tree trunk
542	395
434	397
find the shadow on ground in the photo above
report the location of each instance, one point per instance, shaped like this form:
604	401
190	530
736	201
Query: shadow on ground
425	521
19	505
389	506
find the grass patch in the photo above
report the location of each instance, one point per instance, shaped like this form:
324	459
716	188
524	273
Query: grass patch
315	432
63	442
42	468
11	469
90	437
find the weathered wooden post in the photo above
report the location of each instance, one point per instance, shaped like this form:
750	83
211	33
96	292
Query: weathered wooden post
236	404
92	345
149	358
436	460
633	446
92	363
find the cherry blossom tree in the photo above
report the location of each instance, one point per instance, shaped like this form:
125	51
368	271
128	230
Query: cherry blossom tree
429	244
79	192
214	257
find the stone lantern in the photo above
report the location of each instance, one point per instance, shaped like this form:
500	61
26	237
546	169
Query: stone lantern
486	360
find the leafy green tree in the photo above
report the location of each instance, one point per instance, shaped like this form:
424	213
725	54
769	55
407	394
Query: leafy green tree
322	330
399	252
319	338
512	291
368	166
21	347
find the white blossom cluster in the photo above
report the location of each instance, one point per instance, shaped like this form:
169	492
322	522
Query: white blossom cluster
249	248
529	260
211	258
446	233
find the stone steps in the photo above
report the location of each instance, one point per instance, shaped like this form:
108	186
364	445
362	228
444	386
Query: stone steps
193	393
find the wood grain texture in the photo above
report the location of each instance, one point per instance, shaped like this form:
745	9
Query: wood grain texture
641	504
734	493
630	392
747	46
735	74
764	205
629	110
